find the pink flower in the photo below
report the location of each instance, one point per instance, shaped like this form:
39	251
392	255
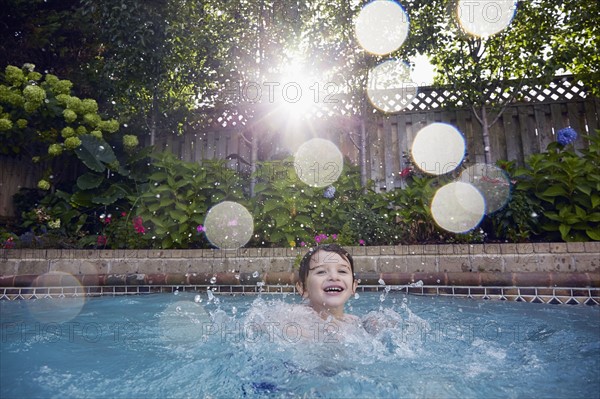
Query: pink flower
334	236
361	242
101	241
8	244
405	172
123	214
200	228
302	244
138	226
317	239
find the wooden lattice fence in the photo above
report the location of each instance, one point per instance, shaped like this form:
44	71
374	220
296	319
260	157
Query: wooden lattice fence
527	126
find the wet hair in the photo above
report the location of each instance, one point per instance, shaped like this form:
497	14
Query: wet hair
305	262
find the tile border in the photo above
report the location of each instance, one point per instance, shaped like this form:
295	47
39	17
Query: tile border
554	296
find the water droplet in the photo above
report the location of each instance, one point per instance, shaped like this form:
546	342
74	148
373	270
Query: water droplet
381	281
176	292
197	299
356	296
213	280
255	274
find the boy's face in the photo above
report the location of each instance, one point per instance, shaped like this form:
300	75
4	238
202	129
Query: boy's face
329	283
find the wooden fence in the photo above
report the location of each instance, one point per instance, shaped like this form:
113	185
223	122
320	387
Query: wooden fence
524	128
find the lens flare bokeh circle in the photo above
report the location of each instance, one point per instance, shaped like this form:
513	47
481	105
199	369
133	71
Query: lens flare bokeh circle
228	225
457	207
67	298
438	148
318	162
390	87
492	182
381	27
484	18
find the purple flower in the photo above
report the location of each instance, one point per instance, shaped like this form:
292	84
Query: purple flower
200	228
566	136
329	192
361	242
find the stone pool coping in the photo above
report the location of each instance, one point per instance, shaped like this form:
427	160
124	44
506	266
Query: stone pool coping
533	272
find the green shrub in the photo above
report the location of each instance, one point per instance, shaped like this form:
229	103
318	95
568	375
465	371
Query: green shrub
175	199
288	212
566	185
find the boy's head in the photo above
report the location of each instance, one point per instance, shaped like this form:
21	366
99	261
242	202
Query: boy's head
326	276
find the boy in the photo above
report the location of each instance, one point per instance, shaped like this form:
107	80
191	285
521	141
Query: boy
326	281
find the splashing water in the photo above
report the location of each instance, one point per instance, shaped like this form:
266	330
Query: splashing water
268	346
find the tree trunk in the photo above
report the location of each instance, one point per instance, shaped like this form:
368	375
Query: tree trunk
153	118
485	126
363	154
253	160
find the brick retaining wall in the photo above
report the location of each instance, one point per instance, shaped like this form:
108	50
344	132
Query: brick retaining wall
437	269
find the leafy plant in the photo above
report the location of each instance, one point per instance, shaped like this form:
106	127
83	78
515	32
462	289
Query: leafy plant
411	210
566	186
288	212
519	219
177	196
370	222
39	115
121	230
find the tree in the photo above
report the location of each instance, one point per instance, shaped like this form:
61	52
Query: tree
51	35
487	73
156	56
576	47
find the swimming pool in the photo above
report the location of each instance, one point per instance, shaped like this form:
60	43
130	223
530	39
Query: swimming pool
185	344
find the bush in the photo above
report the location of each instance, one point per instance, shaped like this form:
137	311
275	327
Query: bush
566	186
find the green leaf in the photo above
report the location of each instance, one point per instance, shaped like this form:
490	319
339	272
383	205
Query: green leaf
95	153
594	217
110	196
166	202
594	234
260	187
305	220
89	180
281	218
595	198
154	207
270	205
584	189
82	199
178	215
554	191
158	176
564	231
580	212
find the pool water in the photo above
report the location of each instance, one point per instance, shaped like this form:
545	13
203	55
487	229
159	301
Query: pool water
188	345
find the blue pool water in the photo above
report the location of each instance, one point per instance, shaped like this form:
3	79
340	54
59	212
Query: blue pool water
174	346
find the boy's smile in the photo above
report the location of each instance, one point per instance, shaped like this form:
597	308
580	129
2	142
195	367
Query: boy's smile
329	283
